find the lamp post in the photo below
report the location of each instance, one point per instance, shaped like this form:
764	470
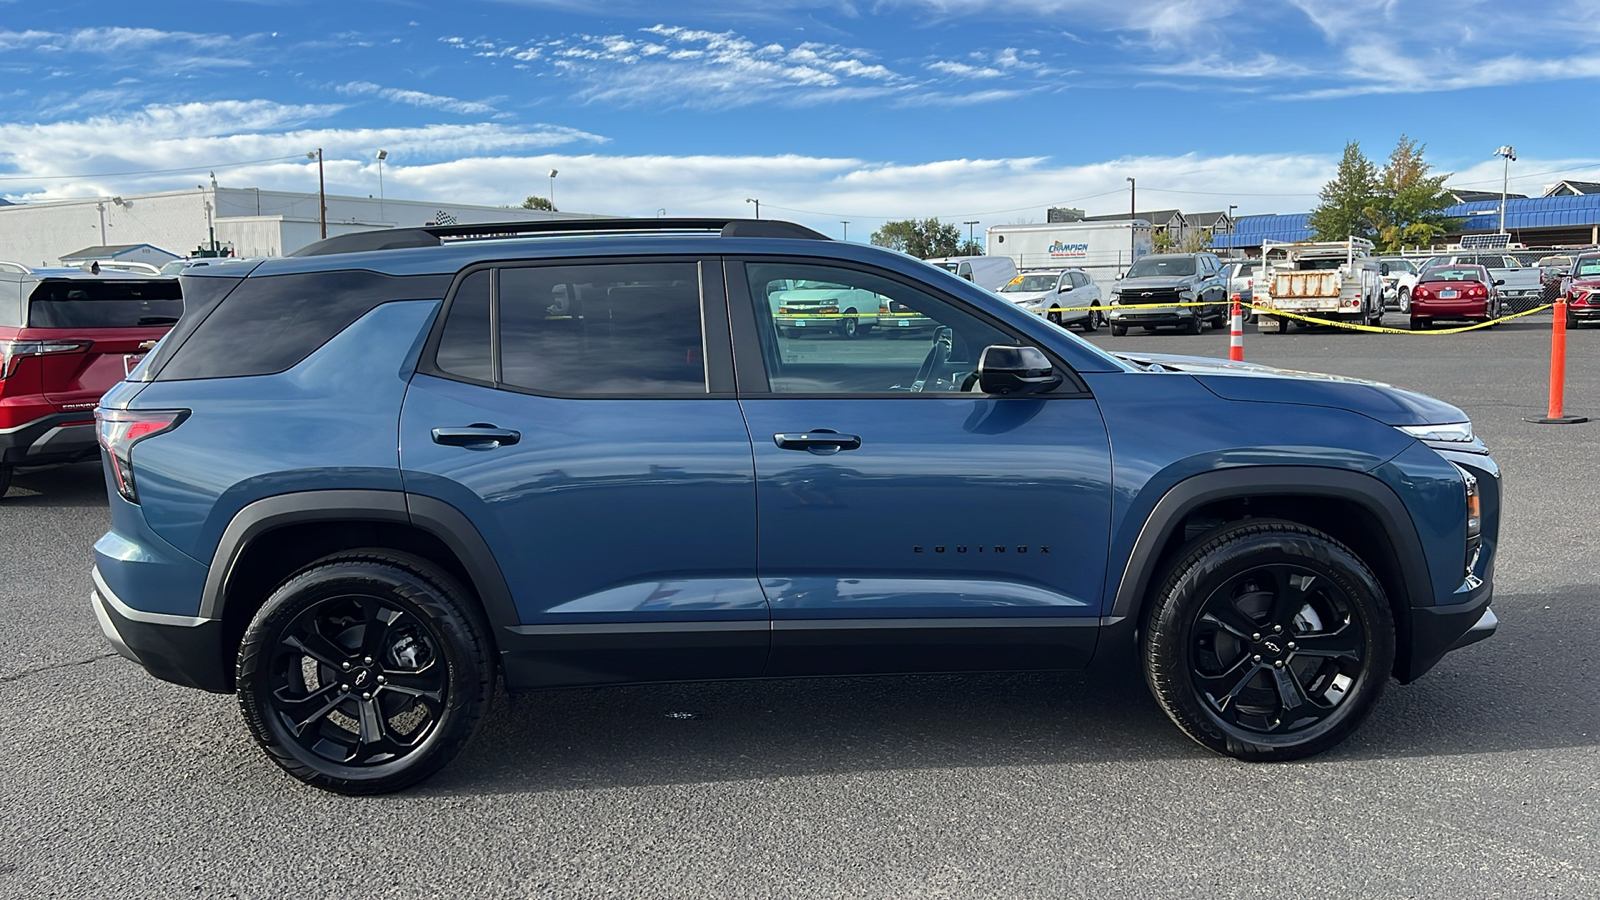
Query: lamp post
382	155
970	223
1231	208
1133	245
1509	154
322	191
553	174
846	224
757	203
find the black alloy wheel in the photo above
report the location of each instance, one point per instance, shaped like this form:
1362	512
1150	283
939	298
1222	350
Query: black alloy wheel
365	673
1269	641
1196	325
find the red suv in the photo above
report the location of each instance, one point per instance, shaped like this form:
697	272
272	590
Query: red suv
66	337
1582	288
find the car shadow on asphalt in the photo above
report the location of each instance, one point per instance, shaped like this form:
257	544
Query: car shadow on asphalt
1530	687
76	486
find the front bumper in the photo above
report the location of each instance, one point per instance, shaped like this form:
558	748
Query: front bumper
56	438
184	650
1153	315
1437	630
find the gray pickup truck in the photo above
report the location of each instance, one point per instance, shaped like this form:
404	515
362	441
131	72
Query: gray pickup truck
1170	278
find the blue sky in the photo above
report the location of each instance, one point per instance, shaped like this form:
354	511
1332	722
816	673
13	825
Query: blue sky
824	110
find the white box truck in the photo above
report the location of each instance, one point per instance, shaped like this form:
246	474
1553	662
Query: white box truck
1103	249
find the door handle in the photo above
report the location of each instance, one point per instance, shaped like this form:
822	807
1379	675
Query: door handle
476	436
819	441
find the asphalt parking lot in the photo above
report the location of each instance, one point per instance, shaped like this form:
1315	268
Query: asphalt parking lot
1480	780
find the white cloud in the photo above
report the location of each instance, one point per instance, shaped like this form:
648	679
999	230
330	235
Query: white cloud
416	98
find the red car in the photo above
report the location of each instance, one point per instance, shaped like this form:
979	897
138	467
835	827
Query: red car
1582	289
1454	292
66	337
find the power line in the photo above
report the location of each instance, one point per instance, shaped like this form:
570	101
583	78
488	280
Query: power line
992	212
200	168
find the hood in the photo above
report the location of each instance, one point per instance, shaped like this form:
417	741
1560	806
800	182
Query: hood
1153	282
1024	296
1587	282
1256	383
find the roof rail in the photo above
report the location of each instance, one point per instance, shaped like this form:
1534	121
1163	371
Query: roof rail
15	268
437	235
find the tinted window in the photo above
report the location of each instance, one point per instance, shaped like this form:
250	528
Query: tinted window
271	323
464	347
81	303
200	297
905	340
631	329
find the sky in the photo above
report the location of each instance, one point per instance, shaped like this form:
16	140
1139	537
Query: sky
827	111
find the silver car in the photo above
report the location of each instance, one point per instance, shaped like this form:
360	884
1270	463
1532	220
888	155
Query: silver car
1057	294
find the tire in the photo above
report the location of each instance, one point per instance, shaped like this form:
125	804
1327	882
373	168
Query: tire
1092	322
5	480
1572	322
1419	324
851	326
1118	330
1250	659
1405	302
431	652
1283	325
1196	325
1053	316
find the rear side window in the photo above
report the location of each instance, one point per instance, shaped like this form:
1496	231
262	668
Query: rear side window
271	323
464	347
82	303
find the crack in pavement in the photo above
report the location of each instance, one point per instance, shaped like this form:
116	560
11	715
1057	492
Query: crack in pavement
7	679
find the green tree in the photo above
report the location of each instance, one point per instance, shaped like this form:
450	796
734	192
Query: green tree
1160	240
539	203
1347	199
924	239
1408	208
969	248
1196	240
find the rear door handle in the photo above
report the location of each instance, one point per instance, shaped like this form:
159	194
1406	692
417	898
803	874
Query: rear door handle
820	441
476	436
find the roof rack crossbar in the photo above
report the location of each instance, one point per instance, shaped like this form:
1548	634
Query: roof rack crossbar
436	235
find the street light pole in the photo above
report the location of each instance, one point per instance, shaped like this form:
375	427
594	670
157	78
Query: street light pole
846	224
382	155
553	174
322	191
757	203
1509	154
1231	247
970	223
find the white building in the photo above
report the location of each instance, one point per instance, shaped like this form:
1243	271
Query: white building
249	221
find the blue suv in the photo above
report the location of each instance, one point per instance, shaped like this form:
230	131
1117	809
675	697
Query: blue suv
358	485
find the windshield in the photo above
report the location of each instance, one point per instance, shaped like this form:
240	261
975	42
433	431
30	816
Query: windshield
1153	267
948	266
1455	273
1396	266
82	303
1025	284
1587	266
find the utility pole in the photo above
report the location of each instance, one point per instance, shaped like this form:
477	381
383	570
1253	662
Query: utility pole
322	191
1133	244
757	203
970	223
846	224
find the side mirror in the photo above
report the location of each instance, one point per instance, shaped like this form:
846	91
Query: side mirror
1005	369
1065	288
1383	269
1499	281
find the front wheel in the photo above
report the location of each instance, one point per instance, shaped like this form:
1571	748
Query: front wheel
1118	330
850	326
1269	641
365	673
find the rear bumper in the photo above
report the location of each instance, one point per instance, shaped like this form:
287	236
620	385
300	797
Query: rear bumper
60	437
184	650
1446	309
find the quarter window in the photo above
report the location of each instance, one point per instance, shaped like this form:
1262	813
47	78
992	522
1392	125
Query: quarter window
828	330
464	347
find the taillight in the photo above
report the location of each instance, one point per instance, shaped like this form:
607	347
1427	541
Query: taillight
12	352
119	429
1421	293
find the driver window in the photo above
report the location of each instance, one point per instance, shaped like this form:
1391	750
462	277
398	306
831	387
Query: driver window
829	330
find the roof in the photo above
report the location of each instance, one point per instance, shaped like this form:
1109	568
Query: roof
1573	187
1155	217
109	251
1250	231
1464	196
1208	219
1477	216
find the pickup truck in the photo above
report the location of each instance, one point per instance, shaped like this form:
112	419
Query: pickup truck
1521	287
1334	280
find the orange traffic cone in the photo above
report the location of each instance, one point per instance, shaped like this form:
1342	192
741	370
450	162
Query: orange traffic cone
1236	335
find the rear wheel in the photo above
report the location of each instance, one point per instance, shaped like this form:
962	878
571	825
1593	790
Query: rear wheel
1269	641
1283	325
1405	301
1420	324
5	480
1119	330
1091	323
365	673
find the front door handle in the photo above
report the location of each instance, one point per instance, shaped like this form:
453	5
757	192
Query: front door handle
477	436
819	441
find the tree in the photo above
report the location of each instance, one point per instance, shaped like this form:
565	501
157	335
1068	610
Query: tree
539	203
923	239
1347	199
969	248
1195	240
1409	205
1160	240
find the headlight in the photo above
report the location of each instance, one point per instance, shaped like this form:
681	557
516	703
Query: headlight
1116	296
1453	432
